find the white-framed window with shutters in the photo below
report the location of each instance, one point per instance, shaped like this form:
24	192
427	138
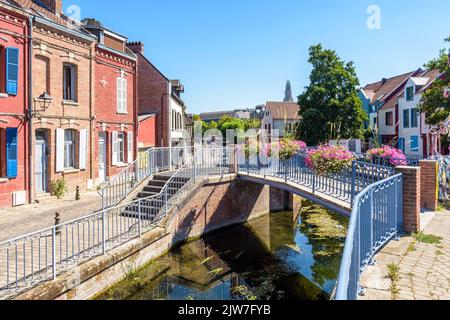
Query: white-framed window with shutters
121	147
122	93
69	149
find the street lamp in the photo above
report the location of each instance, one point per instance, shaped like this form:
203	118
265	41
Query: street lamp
44	100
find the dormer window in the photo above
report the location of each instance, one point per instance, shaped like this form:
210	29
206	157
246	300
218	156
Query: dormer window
410	93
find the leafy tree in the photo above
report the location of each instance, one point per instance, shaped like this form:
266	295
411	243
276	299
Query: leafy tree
435	104
230	123
252	124
330	107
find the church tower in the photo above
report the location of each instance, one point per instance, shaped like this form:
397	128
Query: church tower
288	93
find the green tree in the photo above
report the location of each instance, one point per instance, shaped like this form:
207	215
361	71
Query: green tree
330	107
434	104
230	123
252	124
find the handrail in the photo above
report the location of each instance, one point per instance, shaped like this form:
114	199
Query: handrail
357	256
42	255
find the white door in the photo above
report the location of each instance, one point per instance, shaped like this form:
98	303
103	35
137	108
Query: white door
102	157
41	163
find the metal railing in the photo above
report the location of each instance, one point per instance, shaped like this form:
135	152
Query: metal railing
377	217
342	186
147	164
34	258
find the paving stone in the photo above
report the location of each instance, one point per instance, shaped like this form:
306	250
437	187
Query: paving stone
423	273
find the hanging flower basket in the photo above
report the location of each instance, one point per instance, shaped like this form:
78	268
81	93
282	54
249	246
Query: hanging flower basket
387	155
329	159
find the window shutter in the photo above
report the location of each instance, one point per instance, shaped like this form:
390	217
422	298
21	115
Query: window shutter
12	70
119	95
11	153
124	94
59	150
114	148
130	147
83	149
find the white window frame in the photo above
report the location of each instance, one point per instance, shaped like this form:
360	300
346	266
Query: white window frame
69	150
122	95
121	147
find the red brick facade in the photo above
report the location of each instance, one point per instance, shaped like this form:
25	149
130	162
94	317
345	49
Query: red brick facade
13	107
147	132
154	89
110	66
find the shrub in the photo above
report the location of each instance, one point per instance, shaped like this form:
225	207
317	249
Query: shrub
284	149
394	156
59	188
329	159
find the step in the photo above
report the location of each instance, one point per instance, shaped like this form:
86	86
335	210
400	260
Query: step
146	194
155	189
157	183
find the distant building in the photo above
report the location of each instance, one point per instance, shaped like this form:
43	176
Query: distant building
244	114
281	116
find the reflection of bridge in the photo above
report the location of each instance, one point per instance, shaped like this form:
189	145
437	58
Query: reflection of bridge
372	192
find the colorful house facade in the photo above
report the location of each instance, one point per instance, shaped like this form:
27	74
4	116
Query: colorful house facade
115	109
14	131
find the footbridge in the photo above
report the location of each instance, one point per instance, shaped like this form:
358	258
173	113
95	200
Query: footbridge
141	196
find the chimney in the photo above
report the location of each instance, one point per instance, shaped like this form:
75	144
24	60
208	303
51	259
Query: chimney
384	80
54	6
136	47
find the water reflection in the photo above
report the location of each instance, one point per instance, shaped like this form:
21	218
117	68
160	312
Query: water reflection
275	257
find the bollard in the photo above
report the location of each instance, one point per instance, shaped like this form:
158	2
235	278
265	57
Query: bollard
57	223
77	194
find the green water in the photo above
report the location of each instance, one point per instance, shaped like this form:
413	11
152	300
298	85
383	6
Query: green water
276	257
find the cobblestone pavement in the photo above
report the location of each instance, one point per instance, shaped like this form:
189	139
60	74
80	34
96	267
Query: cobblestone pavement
29	218
423	267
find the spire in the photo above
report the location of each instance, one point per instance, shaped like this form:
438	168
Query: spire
288	93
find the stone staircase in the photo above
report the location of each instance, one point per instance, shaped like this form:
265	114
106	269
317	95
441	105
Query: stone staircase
151	208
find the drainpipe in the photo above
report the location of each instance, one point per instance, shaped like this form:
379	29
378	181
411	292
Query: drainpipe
30	111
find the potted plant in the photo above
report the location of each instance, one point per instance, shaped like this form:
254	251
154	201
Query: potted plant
387	155
329	159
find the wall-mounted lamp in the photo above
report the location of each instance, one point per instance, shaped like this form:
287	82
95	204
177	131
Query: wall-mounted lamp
45	100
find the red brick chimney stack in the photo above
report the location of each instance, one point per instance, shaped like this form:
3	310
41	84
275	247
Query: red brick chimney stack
136	47
54	6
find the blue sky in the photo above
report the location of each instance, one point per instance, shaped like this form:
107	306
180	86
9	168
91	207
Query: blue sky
239	53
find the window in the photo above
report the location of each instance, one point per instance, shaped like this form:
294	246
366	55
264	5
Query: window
414	118
12	70
390	118
410	93
401	144
375	120
122	93
414	144
121	147
70	82
69	149
406	118
9	153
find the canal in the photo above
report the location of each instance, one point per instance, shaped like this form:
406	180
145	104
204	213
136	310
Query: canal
277	257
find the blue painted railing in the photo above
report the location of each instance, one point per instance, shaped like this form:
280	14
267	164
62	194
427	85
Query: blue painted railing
377	217
343	186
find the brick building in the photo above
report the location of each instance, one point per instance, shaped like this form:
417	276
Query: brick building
115	102
62	55
13	101
160	96
147	132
